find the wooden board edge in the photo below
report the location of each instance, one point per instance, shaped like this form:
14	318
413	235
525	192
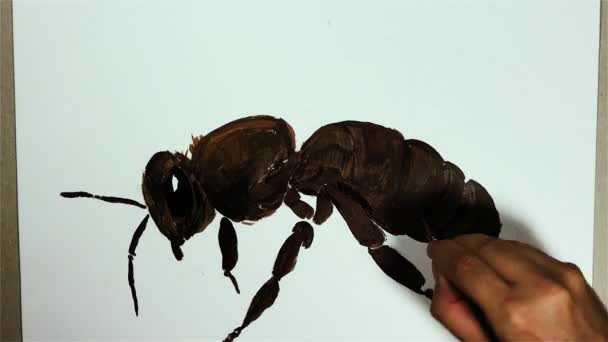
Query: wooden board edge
600	239
10	296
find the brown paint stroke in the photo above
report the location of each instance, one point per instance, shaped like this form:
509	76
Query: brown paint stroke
131	280
229	248
362	228
262	300
110	199
137	235
324	208
400	269
306	232
132	246
284	263
287	257
302	209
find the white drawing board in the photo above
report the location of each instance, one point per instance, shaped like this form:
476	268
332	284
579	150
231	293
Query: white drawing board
504	89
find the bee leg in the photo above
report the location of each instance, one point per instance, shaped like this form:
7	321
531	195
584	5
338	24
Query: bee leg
299	207
301	236
324	207
229	248
177	250
371	236
356	215
132	246
400	269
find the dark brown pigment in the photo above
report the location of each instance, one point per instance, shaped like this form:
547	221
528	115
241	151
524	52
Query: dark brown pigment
109	199
132	246
377	180
228	247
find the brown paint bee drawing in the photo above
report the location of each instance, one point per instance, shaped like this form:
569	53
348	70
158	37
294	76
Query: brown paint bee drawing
245	170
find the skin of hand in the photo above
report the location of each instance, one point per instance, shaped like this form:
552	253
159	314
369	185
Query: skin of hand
524	294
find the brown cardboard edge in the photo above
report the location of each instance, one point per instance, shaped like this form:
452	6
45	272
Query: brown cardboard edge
10	300
600	238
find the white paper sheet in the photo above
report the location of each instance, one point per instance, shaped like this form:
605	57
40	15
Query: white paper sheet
504	89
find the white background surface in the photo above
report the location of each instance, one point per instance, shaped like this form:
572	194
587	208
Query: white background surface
505	89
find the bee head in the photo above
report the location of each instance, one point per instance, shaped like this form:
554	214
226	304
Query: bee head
175	198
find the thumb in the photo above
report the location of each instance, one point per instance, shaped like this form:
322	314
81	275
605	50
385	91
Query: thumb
449	308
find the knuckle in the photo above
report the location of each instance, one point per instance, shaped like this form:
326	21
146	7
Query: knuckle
489	247
553	292
465	263
516	313
512	243
474	238
573	277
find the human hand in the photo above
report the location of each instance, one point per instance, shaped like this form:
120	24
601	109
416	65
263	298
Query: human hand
524	294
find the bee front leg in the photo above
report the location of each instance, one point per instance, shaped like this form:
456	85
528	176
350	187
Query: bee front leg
229	248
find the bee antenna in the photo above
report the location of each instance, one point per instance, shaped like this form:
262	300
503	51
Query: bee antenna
111	199
131	277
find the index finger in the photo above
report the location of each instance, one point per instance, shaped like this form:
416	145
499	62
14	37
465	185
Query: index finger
471	275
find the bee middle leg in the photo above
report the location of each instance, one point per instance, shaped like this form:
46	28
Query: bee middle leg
301	236
299	207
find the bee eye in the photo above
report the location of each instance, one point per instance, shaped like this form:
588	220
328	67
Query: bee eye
177	202
174	183
179	194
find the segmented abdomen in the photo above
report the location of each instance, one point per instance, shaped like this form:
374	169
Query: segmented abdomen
405	184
